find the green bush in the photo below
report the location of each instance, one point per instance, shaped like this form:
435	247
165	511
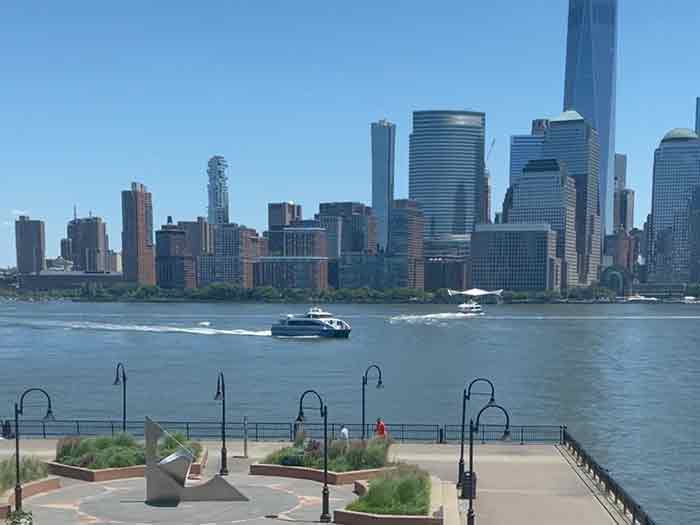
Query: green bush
121	450
20	517
403	492
342	457
30	469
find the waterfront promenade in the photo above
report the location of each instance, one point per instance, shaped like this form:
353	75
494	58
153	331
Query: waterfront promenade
526	484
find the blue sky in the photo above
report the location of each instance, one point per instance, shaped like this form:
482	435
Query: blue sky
94	95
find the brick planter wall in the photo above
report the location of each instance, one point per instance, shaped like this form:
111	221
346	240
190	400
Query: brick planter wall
334	478
348	517
30	489
4	511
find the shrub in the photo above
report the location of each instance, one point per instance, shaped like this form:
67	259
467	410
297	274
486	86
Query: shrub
20	517
405	492
289	457
358	455
30	469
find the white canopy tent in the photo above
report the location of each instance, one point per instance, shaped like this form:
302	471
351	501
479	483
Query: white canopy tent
475	292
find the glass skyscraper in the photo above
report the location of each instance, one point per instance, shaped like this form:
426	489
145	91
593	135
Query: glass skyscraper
446	169
218	190
676	176
524	148
591	69
383	154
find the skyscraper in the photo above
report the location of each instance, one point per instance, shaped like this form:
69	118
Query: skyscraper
446	169
218	190
358	230
405	264
546	194
88	244
383	153
30	242
279	215
620	171
591	71
573	142
676	176
697	115
137	235
174	261
623	201
524	148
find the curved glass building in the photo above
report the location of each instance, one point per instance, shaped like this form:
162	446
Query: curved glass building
446	169
591	70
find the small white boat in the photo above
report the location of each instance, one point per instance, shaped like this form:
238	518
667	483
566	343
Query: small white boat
204	323
641	299
689	299
471	308
315	323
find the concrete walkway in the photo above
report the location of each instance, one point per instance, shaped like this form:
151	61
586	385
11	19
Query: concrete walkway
525	484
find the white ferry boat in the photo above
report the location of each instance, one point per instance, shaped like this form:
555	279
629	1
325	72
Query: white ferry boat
315	323
471	308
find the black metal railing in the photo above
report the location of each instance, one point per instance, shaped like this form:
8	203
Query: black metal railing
280	431
603	477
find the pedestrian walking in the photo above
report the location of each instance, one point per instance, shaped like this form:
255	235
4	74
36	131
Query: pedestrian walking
380	428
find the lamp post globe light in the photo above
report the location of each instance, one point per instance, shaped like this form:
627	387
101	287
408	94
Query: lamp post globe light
474	427
19	410
325	513
221	396
120	379
365	379
466	397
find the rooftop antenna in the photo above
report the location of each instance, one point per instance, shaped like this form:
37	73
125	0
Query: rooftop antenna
75	212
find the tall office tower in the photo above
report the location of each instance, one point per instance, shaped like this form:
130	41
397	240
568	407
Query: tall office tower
694	235
383	160
358	233
218	190
199	235
676	175
137	235
546	194
620	171
66	249
405	251
88	242
174	261
446	169
624	210
30	242
279	215
524	148
114	262
572	141
486	198
697	115
591	76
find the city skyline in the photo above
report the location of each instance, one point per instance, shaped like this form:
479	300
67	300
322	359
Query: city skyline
136	146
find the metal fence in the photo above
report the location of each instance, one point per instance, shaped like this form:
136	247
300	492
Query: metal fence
629	505
281	431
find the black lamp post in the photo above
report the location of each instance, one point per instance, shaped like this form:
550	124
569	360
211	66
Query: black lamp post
467	397
121	380
364	385
325	514
221	396
19	410
474	427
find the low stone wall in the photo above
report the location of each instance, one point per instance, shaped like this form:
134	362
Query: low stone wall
334	478
349	517
33	488
197	469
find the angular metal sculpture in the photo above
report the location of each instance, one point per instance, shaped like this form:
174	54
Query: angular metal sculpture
166	478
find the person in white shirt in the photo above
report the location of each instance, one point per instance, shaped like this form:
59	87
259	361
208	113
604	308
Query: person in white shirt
345	434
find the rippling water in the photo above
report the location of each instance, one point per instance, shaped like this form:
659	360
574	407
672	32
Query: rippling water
624	378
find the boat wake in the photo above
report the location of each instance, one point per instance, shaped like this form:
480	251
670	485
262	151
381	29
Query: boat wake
163	329
432	318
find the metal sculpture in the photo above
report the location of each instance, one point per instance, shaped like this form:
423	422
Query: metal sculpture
166	478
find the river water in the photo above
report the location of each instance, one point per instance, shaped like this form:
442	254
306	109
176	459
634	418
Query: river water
624	378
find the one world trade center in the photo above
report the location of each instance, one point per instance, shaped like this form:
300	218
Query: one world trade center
591	70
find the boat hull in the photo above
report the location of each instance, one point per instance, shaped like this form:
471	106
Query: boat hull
290	331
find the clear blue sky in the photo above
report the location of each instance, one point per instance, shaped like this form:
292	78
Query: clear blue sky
94	95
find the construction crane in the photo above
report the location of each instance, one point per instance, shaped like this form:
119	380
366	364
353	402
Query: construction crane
488	155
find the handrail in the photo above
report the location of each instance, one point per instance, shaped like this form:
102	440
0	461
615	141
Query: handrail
629	504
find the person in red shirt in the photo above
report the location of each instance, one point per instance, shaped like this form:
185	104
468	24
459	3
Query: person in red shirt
380	428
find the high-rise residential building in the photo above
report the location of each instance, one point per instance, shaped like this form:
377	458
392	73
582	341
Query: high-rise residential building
446	169
30	243
358	232
236	249
175	267
546	194
694	235
405	249
697	115
217	190
524	148
334	233
114	262
573	142
199	235
383	161
305	241
137	235
308	273
620	171
66	249
515	257
676	176
89	244
279	215
590	88
486	198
